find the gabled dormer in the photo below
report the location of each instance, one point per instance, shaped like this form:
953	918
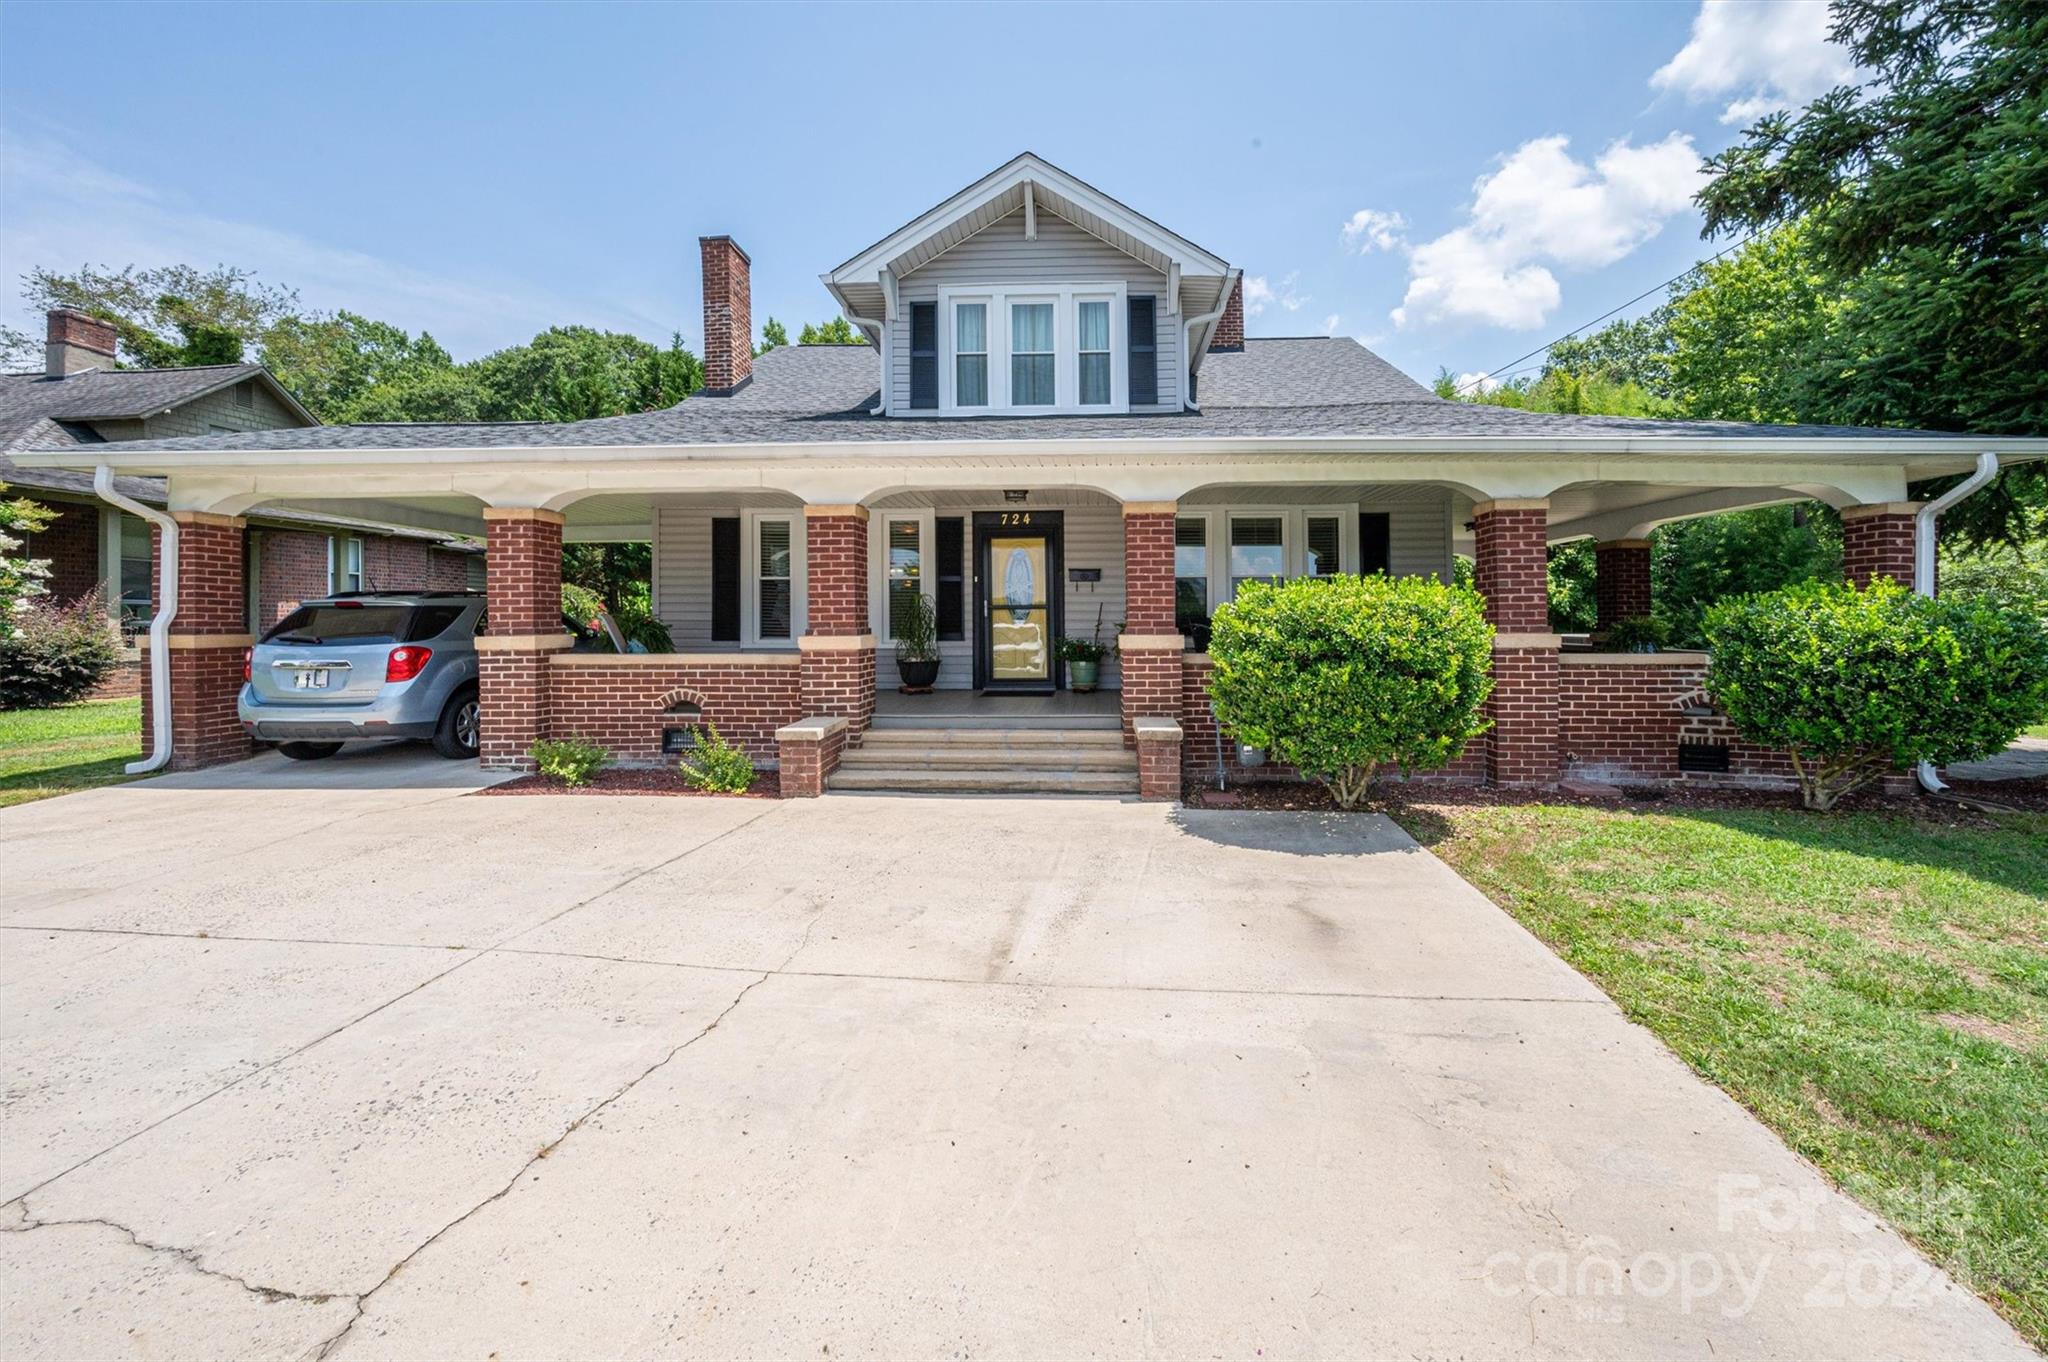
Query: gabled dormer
1031	293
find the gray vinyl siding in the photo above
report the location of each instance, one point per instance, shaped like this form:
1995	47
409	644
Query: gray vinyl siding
1419	538
1062	254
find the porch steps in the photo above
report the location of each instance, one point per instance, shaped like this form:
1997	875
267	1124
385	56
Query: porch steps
1056	723
1011	759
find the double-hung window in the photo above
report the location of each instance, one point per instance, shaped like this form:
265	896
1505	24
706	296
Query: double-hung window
1033	359
970	354
345	567
1324	546
775	563
1092	315
905	571
1258	549
1190	571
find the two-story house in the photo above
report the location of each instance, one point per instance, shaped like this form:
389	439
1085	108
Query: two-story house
1058	428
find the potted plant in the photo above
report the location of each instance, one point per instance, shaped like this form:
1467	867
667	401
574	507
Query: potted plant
1641	634
1083	657
917	642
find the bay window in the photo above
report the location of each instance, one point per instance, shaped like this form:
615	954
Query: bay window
1031	355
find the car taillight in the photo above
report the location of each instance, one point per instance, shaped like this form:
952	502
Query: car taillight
248	662
406	663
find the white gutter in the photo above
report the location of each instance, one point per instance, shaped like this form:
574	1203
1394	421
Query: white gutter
159	625
1187	342
1924	526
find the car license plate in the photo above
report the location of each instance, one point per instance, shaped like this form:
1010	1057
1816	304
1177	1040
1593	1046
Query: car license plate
311	680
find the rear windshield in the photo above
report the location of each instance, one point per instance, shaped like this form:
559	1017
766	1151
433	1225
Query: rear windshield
342	624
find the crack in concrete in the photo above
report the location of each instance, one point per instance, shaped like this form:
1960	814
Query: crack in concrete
189	1257
326	1347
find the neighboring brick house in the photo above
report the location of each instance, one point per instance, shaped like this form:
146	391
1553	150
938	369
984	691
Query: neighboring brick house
80	398
1058	426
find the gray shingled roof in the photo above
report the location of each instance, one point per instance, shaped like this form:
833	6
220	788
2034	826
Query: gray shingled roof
809	394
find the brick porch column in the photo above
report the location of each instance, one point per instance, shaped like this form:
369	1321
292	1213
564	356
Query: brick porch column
1511	557
838	677
1877	541
523	592
1149	651
1621	582
209	638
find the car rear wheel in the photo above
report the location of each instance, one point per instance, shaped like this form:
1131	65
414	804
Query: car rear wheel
455	736
308	751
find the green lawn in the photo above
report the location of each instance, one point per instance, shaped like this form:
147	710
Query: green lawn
46	752
1873	987
2038	731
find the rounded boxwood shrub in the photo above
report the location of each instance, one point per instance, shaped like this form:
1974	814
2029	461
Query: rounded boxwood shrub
1853	683
1338	676
53	654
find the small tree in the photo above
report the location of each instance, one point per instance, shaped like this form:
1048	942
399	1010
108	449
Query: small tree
1338	676
1853	683
20	578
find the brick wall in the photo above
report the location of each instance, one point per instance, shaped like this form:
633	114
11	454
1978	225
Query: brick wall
1877	541
1230	326
836	567
839	682
291	567
206	675
1621	586
621	703
524	567
1152	685
1623	721
1148	573
512	708
71	543
805	762
1522	745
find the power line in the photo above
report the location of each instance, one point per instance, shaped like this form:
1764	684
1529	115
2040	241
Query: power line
1509	368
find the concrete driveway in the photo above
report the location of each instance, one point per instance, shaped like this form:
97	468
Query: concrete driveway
383	1069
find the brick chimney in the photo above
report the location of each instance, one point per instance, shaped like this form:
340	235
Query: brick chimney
728	314
1229	333
77	342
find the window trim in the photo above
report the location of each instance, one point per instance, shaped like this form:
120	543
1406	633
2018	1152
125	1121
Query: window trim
340	549
1066	300
750	579
926	519
954	355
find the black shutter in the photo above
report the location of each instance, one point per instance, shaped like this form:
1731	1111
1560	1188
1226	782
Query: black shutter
950	552
1143	337
924	354
725	580
1375	543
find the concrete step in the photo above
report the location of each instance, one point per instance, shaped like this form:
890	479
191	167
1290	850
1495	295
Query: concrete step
1024	756
993	737
981	780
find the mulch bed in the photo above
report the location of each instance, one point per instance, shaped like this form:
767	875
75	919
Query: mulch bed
2028	795
630	780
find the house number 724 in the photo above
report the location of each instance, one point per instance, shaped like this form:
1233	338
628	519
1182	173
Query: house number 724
1016	517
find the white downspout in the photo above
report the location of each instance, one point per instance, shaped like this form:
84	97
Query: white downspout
159	624
1187	341
1924	525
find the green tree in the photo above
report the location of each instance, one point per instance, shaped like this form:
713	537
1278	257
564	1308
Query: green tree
20	577
1694	563
1749	333
1631	352
1920	189
773	335
170	316
334	364
574	373
838	331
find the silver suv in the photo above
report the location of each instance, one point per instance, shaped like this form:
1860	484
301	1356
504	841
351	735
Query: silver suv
367	664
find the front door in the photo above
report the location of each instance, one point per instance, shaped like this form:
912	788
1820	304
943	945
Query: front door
1017	600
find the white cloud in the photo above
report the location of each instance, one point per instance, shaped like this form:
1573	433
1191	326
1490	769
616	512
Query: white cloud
64	211
1484	383
1289	297
1258	294
1542	208
1372	230
1330	324
1760	55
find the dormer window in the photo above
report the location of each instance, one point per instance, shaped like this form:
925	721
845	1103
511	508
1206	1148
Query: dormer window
1037	349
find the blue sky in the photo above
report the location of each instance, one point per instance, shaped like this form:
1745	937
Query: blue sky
1507	172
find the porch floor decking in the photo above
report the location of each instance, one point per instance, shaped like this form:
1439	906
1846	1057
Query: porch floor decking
974	709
